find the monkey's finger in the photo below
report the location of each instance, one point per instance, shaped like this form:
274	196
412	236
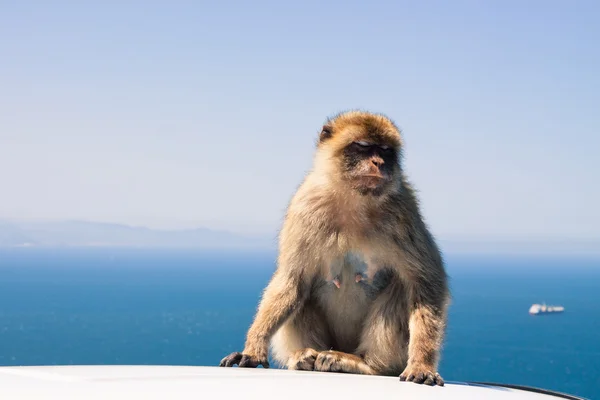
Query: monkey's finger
439	380
224	361
230	362
420	378
246	362
430	380
265	364
233	359
407	378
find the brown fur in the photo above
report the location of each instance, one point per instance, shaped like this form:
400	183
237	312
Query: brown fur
389	313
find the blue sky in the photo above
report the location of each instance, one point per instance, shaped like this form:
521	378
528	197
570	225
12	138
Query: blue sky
189	113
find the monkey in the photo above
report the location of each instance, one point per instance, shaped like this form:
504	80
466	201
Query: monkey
360	284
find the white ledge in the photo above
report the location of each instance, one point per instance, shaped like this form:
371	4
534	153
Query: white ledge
116	382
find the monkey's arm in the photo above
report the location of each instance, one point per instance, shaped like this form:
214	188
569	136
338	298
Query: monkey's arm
288	289
426	330
428	302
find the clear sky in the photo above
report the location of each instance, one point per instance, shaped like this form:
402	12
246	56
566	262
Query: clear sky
189	113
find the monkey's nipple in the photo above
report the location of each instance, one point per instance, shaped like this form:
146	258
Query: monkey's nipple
359	277
336	282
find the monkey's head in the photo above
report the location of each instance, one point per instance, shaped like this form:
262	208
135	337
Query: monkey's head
362	151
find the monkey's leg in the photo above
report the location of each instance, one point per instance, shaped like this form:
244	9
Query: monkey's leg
385	334
396	341
380	350
298	342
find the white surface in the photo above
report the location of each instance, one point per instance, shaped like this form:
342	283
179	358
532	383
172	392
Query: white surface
175	383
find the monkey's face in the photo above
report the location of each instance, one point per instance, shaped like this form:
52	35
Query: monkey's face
362	150
369	166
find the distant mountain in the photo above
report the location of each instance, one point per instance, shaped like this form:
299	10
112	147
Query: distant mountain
88	234
11	235
85	234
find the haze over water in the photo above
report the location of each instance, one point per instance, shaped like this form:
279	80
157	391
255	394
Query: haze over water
108	306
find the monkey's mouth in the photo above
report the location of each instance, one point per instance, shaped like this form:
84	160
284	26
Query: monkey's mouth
378	176
371	181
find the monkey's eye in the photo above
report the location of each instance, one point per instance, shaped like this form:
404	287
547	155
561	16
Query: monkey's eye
362	143
384	147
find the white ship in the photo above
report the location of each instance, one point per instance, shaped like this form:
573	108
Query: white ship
544	309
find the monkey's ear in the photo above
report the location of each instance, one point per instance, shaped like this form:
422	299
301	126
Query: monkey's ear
326	133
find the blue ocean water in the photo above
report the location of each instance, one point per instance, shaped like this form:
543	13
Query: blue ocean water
109	306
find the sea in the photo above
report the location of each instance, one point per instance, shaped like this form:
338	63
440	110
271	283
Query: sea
190	307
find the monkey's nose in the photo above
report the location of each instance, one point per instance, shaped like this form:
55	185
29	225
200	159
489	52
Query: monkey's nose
378	162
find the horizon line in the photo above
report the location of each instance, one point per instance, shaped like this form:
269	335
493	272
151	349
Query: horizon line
448	237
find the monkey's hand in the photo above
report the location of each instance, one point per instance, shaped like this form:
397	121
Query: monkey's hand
420	373
244	360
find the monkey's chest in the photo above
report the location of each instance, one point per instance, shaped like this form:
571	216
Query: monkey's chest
348	287
355	276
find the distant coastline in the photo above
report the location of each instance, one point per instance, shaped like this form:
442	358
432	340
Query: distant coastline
38	234
86	234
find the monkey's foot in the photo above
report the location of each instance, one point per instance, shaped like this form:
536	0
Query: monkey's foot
243	361
336	361
303	359
421	374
